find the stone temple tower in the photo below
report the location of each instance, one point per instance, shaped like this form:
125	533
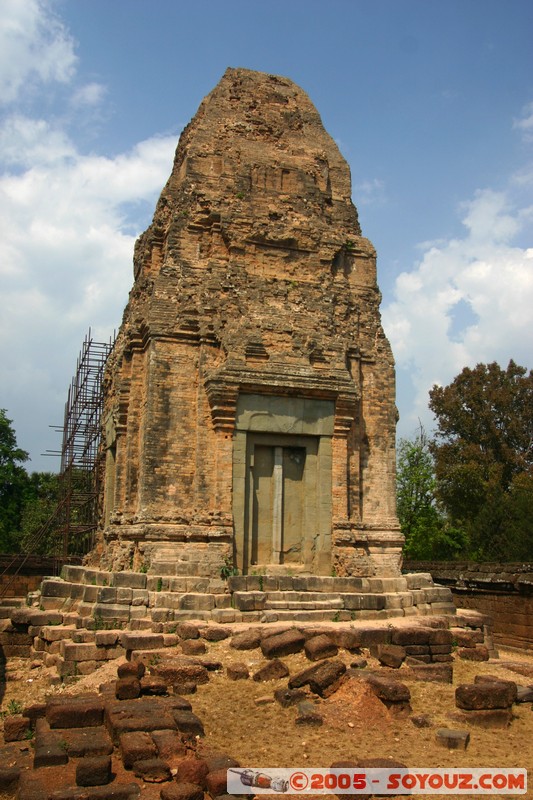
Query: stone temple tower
249	400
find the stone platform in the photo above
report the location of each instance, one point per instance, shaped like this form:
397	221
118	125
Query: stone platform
137	601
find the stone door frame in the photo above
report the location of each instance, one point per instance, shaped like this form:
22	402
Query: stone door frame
278	422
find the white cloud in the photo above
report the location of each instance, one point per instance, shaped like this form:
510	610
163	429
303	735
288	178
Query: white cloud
35	48
525	123
67	230
468	300
89	95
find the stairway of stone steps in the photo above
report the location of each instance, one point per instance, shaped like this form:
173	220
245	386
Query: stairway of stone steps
143	601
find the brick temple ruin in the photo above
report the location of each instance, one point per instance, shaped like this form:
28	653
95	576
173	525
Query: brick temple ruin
249	406
250	400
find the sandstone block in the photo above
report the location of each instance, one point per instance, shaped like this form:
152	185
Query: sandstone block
131	669
81	742
182	791
216	782
193	647
127	688
141	641
272	671
483	696
215	633
16	728
319	647
193	770
152	770
452	739
93	771
283	644
391	655
136	746
477	653
247	640
83	711
308	714
319	677
188	630
237	672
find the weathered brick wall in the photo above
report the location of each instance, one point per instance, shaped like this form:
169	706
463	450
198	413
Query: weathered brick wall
20	575
503	591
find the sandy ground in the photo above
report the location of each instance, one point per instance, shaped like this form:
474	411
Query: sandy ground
356	724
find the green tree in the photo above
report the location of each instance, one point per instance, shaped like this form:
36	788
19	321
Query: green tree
427	532
40	503
483	451
13	484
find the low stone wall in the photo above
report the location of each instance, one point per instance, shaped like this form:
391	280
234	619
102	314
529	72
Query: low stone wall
502	591
20	574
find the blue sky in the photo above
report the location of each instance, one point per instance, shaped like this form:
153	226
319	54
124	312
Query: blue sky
431	103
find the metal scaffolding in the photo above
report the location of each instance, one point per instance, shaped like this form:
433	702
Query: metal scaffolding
79	475
75	519
69	532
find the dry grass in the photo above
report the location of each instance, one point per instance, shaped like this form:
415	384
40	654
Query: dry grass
356	724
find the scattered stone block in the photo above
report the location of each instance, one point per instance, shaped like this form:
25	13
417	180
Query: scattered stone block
170	745
477	653
452	739
237	672
524	694
136	746
421	720
193	770
246	640
217	782
289	697
82	711
359	663
131	669
193	647
180	670
321	678
188	630
439	673
391	655
308	714
82	742
320	647
188	723
484	696
392	693
152	770
127	688
215	633
16	728
272	671
283	644
93	771
184	688
182	791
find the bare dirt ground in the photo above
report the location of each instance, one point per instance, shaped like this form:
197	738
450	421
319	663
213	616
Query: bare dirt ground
356	724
